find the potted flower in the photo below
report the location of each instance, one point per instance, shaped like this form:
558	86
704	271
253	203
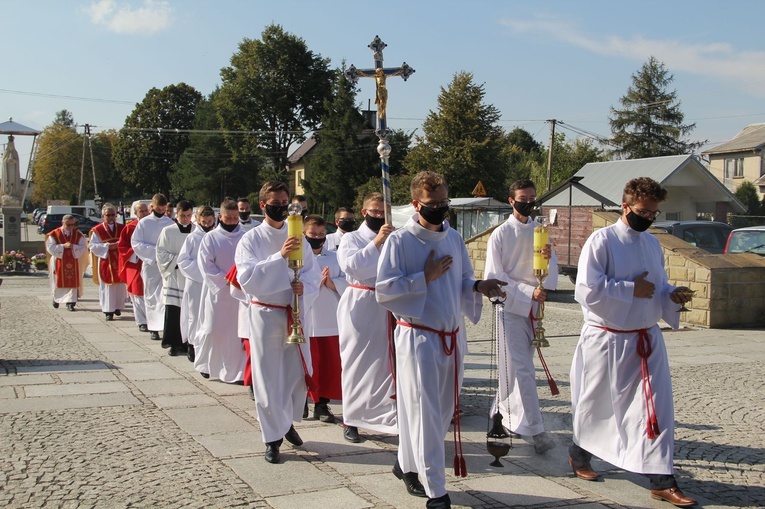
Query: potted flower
15	261
40	261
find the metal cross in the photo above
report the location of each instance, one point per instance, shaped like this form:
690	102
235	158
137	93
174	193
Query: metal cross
380	74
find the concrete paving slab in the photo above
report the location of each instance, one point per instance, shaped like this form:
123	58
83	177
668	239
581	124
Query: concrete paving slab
147	371
165	387
224	389
228	445
62	368
41	391
128	356
68	402
208	420
366	461
293	474
340	497
327	440
7	392
21	379
183	400
87	376
389	490
116	345
525	489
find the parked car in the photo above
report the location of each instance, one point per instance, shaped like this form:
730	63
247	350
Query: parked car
53	221
36	214
707	235
746	240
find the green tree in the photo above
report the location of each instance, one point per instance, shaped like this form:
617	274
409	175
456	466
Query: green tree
154	137
747	194
57	162
568	158
271	94
523	153
649	122
462	140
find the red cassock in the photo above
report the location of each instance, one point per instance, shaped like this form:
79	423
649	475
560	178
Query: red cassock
231	278
130	272
325	359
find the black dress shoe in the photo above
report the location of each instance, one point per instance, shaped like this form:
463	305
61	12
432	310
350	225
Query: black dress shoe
442	502
190	353
351	433
293	437
155	335
143	328
272	451
70	307
109	316
321	412
173	351
305	409
117	312
205	375
412	482
164	345
55	305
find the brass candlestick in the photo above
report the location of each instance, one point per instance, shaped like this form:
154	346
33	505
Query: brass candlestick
296	337
539	331
541	266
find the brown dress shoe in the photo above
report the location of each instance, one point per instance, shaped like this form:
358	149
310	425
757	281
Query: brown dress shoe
584	472
674	496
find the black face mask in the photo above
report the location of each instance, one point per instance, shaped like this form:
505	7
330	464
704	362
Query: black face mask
374	223
276	212
244	216
208	228
228	227
638	223
316	243
157	214
524	208
434	216
347	225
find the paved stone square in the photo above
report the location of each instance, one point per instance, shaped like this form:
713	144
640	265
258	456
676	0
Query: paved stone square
94	414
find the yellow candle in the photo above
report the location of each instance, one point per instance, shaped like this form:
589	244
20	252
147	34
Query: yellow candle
541	239
295	229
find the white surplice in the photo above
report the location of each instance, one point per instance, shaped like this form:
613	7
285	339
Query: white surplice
322	315
79	250
364	345
425	374
333	240
249	224
192	290
278	377
608	406
169	246
111	297
219	352
144	242
510	258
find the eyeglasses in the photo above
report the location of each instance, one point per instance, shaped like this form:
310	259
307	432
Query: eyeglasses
110	215
70	224
645	213
436	205
376	213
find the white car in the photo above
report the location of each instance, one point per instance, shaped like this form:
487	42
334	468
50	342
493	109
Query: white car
746	240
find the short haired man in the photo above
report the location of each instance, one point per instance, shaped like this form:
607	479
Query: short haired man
345	220
131	266
510	257
112	291
192	290
279	370
621	391
169	211
322	321
247	222
67	246
367	379
303	201
426	280
169	245
220	350
144	242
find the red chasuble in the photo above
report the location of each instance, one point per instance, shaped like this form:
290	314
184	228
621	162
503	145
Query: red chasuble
109	267
130	272
67	268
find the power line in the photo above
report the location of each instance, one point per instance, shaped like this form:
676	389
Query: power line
57	96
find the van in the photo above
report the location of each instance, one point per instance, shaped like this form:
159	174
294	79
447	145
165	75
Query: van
88	211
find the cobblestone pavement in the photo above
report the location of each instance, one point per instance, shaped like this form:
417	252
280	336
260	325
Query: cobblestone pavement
94	414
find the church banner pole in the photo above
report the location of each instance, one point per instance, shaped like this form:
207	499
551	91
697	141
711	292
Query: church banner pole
380	74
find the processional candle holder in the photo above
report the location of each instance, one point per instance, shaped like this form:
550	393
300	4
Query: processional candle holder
541	266
295	262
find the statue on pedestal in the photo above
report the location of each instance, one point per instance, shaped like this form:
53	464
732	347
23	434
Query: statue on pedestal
10	185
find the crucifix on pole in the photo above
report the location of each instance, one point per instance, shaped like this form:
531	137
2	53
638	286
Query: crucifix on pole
380	74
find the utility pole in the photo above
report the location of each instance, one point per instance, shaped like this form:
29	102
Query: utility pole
550	154
86	139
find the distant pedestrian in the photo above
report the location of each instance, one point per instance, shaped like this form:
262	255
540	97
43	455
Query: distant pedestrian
66	245
104	238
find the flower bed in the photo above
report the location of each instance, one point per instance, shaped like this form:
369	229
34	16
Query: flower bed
15	261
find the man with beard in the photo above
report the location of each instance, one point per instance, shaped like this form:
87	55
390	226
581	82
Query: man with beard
67	246
131	265
367	380
112	291
192	290
169	246
144	242
345	220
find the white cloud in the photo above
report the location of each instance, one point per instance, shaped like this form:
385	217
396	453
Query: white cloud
746	69
150	17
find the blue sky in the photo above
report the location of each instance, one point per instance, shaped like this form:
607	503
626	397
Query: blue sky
538	60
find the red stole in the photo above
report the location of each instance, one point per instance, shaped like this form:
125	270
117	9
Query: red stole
109	267
67	268
130	272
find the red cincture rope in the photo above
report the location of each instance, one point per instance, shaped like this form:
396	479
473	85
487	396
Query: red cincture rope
550	381
460	467
644	350
290	320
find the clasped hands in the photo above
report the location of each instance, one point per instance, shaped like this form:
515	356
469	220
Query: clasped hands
644	289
